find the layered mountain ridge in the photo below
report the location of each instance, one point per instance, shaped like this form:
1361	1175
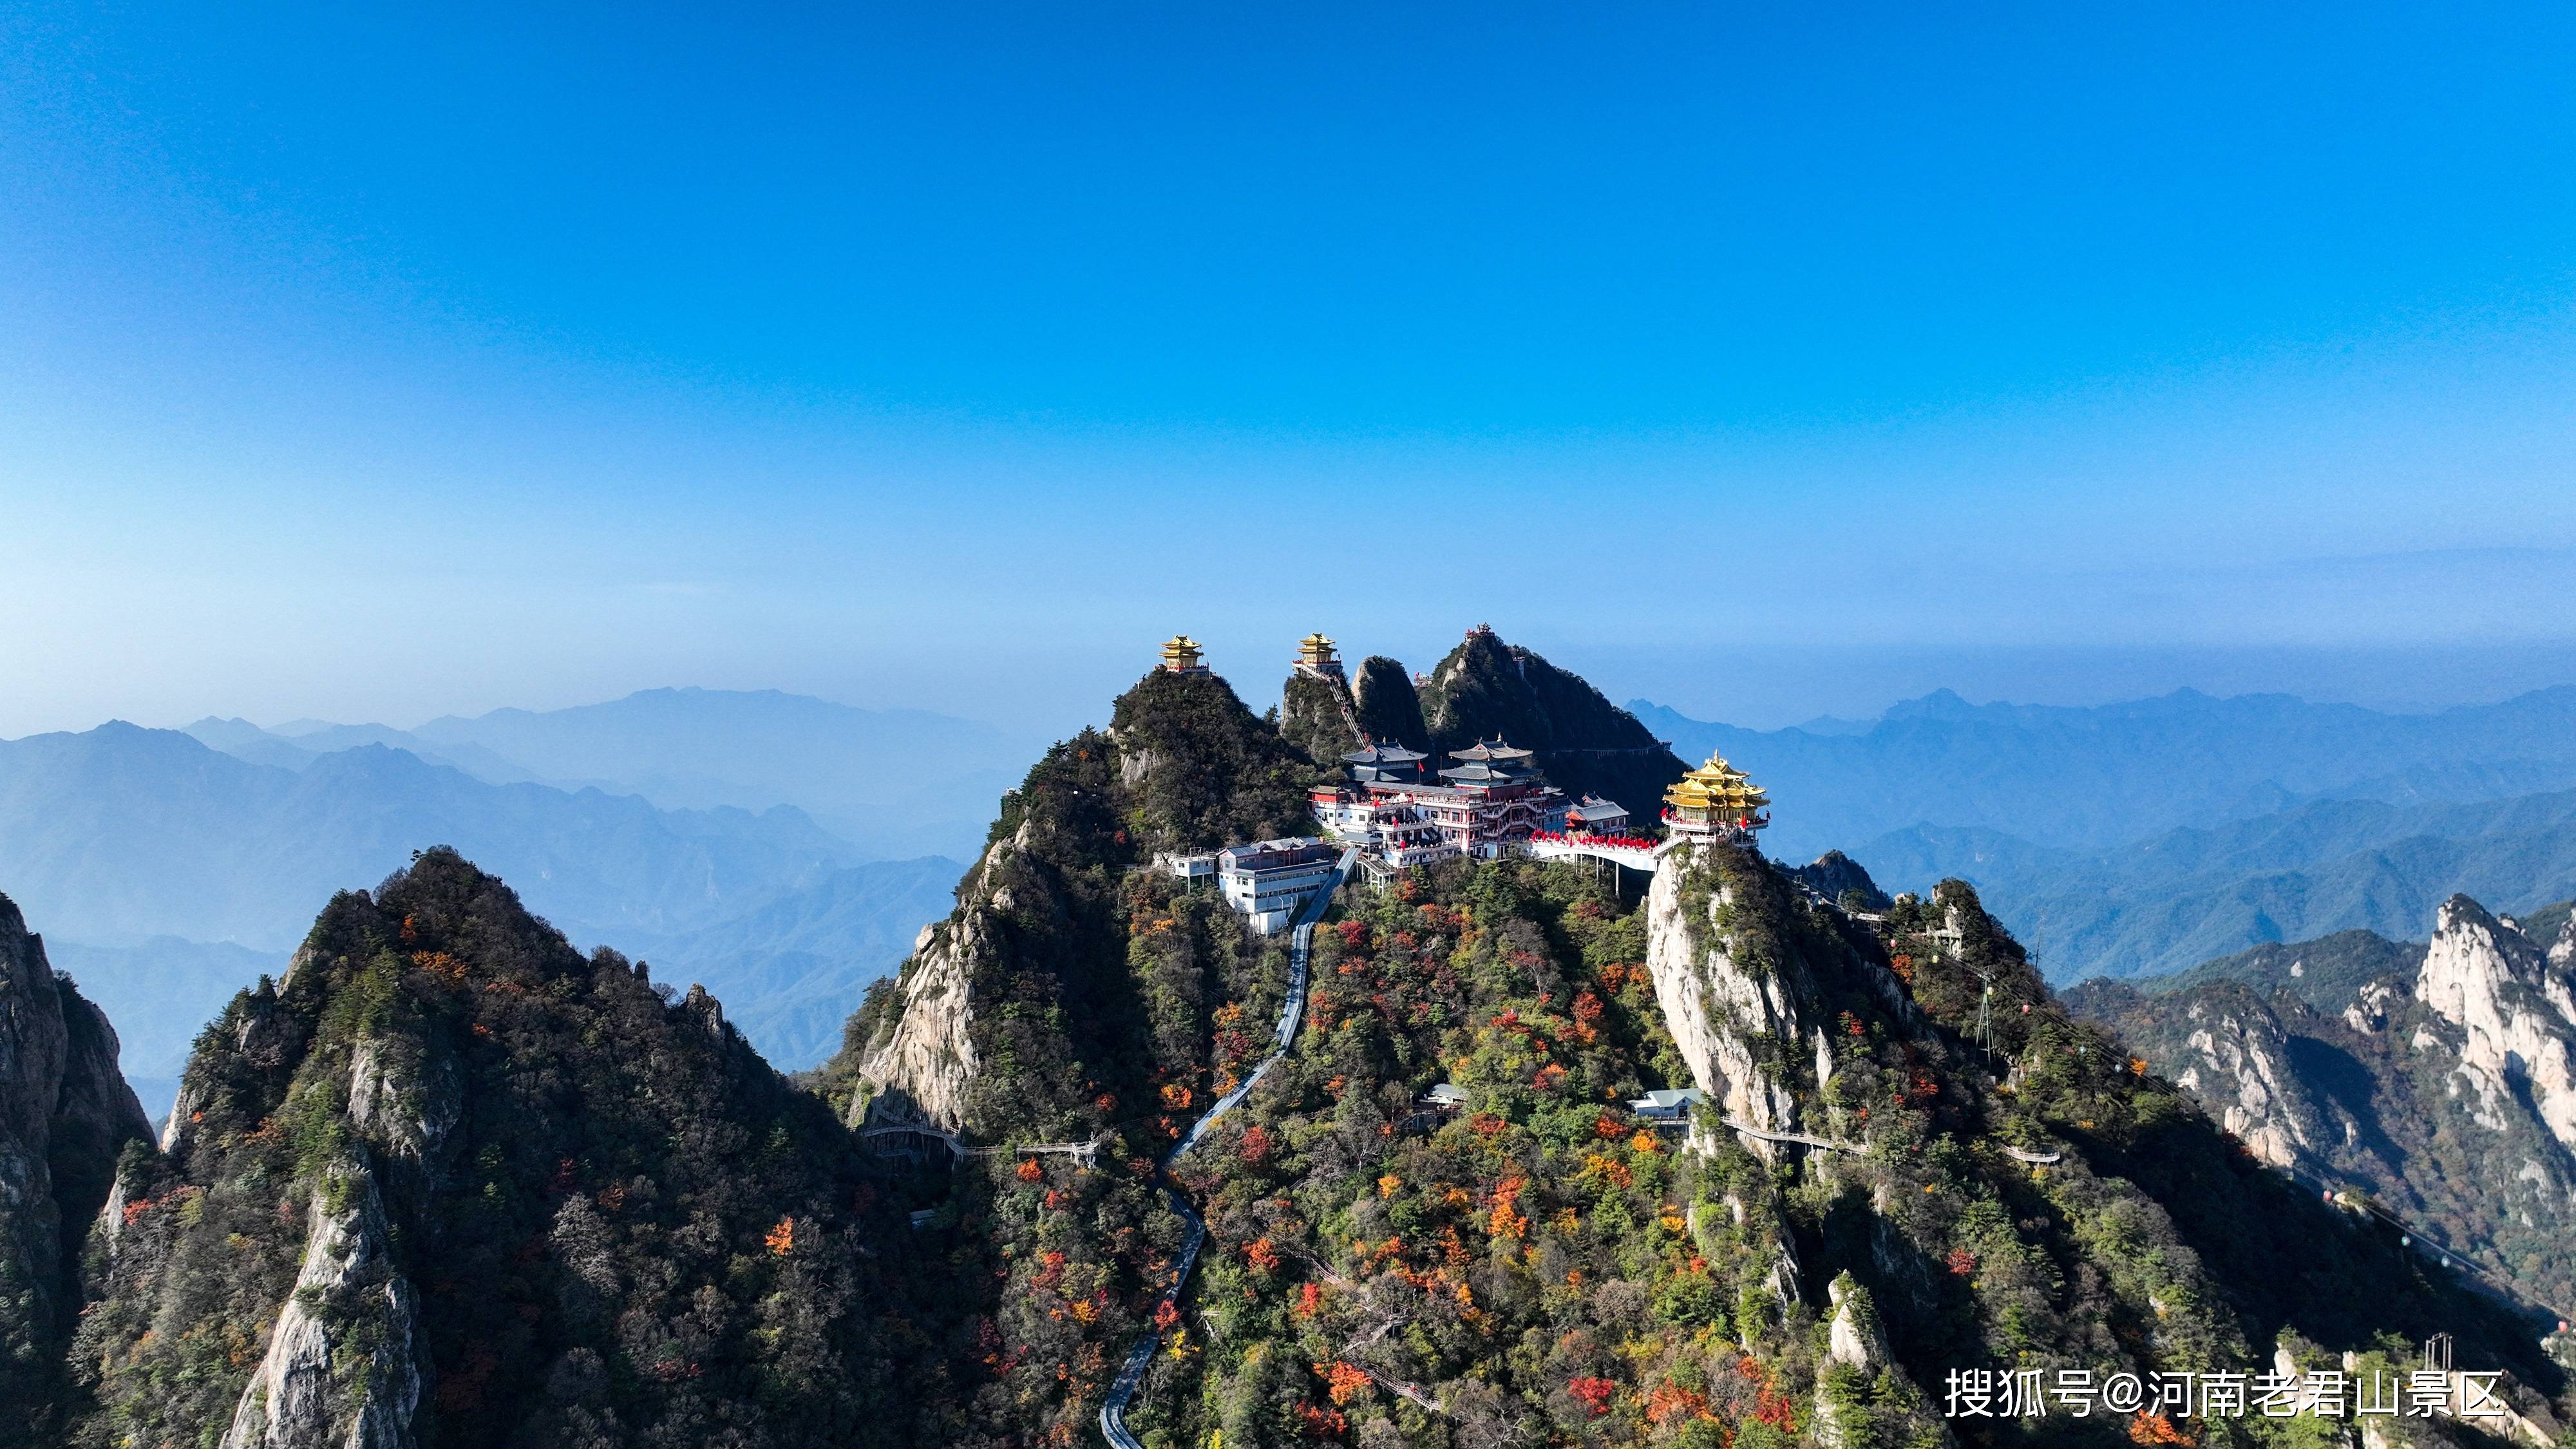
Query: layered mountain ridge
2144	837
1854	1214
176	873
2093	779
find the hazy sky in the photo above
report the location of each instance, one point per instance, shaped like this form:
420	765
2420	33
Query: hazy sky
1764	359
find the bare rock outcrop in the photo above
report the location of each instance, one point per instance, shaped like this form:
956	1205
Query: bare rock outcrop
2512	1006
922	1064
342	1370
1854	1346
1732	1020
2241	1069
922	1067
406	1098
65	1113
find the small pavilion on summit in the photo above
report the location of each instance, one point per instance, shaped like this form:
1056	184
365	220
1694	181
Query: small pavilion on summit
1315	656
1181	655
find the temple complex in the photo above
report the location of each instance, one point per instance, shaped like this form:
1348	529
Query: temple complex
1716	802
1593	815
1181	655
1491	797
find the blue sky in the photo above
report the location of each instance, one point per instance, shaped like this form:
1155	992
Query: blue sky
1766	360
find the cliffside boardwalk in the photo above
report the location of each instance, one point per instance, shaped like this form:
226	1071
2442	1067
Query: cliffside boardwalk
1113	1410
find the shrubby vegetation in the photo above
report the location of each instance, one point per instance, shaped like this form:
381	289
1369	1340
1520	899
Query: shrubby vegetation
1389	709
1317	719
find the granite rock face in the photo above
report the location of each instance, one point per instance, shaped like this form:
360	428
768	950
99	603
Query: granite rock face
1730	1022
2514	1011
65	1114
2444	1086
342	1367
922	1066
2242	1073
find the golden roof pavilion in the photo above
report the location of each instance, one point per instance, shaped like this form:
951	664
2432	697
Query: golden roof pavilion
1181	655
1315	656
1717	796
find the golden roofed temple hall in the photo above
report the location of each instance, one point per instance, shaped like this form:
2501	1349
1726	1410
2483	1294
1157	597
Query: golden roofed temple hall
1181	655
1315	656
1716	802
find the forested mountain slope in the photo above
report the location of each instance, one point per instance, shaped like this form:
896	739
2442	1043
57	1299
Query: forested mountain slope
450	1182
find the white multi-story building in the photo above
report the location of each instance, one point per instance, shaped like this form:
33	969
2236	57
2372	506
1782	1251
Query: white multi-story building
1270	881
1192	868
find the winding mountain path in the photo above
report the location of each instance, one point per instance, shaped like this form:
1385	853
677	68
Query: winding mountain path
1113	1410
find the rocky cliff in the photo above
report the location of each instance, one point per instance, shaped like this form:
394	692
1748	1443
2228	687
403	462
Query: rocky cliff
918	1063
1486	688
2439	1084
1017	1015
1387	705
1738	1013
342	1365
65	1113
451	1182
2514	1013
1318	718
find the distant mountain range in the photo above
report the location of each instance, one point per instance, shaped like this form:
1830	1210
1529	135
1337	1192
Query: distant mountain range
168	874
784	849
2141	838
2093	779
894	783
161	993
119	834
790	972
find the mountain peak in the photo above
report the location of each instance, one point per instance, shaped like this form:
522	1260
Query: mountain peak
1940	704
65	1115
449	1149
1486	689
2515	1013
